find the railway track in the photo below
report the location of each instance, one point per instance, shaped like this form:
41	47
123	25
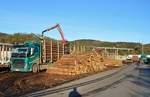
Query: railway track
52	91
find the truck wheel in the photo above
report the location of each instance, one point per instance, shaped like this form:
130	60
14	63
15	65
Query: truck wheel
35	68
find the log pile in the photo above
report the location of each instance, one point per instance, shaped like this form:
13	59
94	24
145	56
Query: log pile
81	63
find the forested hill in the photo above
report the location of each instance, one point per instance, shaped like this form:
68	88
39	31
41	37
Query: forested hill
21	37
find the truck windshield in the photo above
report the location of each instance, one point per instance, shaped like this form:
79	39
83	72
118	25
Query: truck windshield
22	50
19	52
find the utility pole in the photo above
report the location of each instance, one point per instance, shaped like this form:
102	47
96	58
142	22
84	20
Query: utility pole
142	50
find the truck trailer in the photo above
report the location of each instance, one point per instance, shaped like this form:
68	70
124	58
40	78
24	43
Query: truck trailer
5	54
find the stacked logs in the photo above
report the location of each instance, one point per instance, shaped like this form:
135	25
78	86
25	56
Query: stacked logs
81	63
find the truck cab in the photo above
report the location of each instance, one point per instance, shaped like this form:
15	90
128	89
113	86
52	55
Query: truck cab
26	57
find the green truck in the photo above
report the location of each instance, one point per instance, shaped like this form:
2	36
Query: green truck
26	57
36	55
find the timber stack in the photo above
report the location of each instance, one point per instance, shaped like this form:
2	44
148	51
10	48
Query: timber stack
82	63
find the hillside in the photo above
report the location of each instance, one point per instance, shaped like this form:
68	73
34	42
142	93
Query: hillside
21	37
90	42
17	37
137	46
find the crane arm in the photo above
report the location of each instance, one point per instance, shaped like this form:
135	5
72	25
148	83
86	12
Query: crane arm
49	29
59	29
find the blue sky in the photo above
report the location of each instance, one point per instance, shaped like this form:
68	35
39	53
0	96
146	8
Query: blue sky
107	20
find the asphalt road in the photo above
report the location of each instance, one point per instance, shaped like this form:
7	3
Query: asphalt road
135	84
128	81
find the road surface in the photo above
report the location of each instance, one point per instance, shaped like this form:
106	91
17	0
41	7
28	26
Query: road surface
128	81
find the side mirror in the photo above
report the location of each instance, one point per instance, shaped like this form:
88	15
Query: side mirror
32	51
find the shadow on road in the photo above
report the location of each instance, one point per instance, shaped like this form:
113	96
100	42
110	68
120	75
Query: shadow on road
142	80
143	77
74	93
145	72
136	93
